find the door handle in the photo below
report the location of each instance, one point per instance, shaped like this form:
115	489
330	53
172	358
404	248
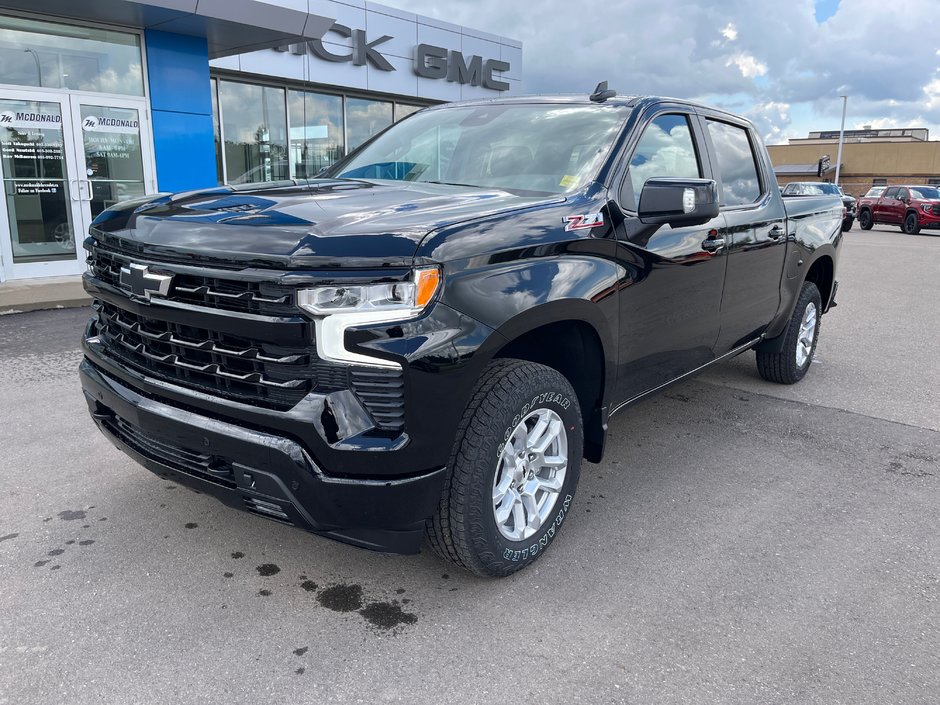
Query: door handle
75	190
776	232
713	244
87	189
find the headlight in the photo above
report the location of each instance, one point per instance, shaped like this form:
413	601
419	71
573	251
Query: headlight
337	308
926	207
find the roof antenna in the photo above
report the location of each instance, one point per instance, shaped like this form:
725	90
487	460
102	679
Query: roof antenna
602	93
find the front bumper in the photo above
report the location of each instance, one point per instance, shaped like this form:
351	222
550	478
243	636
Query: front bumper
266	474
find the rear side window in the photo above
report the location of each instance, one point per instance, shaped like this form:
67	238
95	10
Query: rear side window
666	149
740	183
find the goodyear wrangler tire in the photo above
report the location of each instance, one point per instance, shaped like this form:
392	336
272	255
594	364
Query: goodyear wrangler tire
513	470
790	365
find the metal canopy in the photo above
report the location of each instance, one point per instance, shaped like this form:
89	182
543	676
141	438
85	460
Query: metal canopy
229	26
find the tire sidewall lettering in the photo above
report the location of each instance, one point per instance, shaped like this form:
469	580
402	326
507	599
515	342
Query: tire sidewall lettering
537	402
531	551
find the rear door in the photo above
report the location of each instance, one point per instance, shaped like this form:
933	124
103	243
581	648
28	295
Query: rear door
671	292
754	230
899	206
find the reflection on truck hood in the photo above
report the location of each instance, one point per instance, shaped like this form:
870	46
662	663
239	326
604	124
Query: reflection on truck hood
315	223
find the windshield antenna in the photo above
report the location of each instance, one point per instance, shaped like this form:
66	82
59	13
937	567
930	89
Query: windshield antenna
602	93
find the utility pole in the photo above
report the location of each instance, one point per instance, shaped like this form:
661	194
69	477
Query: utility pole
845	100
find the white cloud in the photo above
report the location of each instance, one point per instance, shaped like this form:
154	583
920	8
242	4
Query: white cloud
757	52
747	65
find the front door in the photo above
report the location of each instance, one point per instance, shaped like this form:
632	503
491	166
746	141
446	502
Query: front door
63	159
670	298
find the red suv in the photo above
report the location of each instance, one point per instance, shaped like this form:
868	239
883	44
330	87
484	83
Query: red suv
911	207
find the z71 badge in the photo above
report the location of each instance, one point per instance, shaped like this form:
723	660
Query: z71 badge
580	222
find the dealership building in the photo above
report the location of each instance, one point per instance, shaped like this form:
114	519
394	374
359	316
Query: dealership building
106	100
870	157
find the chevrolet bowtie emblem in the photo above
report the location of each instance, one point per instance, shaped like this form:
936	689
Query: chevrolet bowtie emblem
142	282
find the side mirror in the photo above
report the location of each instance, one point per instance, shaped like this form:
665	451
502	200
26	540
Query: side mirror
678	202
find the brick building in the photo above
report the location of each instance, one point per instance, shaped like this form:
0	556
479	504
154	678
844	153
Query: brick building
869	158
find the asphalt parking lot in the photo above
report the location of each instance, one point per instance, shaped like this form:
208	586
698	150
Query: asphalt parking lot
741	543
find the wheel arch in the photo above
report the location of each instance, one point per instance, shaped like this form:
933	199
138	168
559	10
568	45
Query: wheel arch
822	273
572	337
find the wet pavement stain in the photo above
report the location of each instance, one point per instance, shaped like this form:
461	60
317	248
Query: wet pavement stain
103	519
71	515
266	569
264	593
237	554
301	651
445	576
300	671
55	567
192	525
341	598
309	586
69	543
386	615
400	591
86	542
40	564
56	552
8	537
227	575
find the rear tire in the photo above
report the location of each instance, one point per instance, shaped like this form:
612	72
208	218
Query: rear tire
505	496
847	224
790	365
911	226
864	220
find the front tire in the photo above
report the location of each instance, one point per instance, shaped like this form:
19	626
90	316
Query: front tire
513	471
911	226
847	224
790	365
864	220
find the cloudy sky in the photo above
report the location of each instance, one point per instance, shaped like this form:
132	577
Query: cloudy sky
783	63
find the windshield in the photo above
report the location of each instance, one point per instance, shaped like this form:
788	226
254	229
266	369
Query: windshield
529	148
821	189
926	192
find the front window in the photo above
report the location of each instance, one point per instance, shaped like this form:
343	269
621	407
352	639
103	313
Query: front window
532	148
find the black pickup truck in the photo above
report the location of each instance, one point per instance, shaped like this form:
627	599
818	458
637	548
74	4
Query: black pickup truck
427	341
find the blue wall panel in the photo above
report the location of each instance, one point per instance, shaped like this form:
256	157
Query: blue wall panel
181	108
185	150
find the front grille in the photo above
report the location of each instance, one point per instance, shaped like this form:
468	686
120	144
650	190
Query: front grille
233	367
382	393
230	366
215	291
203	465
936	209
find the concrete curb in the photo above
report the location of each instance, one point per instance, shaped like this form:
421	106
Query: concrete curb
25	295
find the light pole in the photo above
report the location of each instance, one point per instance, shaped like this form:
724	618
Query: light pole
845	100
38	66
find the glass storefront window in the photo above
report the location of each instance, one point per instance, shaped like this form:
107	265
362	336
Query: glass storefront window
365	118
404	110
51	55
254	125
316	132
214	84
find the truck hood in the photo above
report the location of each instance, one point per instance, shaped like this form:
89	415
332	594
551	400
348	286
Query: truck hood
320	223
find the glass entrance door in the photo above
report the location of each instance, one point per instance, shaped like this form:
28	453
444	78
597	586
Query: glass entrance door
65	158
114	153
40	199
